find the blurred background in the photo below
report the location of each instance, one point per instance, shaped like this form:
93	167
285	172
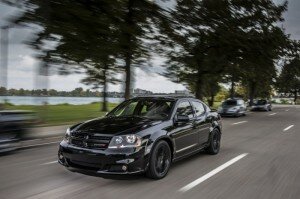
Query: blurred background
77	59
68	61
65	62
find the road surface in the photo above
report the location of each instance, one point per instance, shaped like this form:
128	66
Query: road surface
259	158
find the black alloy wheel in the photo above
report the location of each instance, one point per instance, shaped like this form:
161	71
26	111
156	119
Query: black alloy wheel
215	142
160	161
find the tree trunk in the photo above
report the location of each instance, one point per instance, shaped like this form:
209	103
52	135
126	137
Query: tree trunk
295	96
128	55
252	90
128	77
104	104
232	89
211	100
199	90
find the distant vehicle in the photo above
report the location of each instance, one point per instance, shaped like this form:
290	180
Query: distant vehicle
233	107
142	135
13	125
261	104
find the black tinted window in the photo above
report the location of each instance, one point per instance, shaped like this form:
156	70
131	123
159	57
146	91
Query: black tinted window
185	108
199	108
150	108
230	103
261	102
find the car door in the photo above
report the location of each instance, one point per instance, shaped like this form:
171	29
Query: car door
202	122
186	139
242	106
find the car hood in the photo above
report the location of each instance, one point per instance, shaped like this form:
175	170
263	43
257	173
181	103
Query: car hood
115	125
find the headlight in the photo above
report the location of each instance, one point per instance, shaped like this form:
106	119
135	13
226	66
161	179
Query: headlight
125	141
67	136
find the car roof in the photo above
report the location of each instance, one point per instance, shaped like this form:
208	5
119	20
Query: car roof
233	99
170	97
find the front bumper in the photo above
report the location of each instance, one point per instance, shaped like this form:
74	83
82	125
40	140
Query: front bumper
108	161
259	108
229	113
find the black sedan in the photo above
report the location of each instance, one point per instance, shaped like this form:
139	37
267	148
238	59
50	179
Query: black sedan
13	126
142	135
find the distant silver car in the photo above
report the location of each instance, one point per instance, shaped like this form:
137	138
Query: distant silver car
233	107
261	104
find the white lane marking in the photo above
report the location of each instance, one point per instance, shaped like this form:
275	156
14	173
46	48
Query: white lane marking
287	109
35	139
241	122
32	145
272	114
212	173
47	163
289	127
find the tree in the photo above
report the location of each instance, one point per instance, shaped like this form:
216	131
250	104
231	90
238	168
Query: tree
3	91
84	33
125	25
137	26
197	41
215	38
289	79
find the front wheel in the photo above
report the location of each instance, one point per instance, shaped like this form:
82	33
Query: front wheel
214	142
160	161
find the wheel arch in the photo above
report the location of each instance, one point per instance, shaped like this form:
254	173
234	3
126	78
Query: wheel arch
166	139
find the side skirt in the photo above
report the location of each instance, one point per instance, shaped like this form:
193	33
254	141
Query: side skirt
190	153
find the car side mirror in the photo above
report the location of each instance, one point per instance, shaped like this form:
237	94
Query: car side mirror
182	119
213	110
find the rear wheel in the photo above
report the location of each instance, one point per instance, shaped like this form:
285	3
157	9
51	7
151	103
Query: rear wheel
160	161
214	142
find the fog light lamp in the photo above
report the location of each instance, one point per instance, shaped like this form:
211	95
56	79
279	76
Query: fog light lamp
124	168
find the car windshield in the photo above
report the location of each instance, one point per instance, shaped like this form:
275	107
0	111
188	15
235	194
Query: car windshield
157	109
260	102
230	103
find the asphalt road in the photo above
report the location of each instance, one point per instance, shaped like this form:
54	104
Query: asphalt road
259	158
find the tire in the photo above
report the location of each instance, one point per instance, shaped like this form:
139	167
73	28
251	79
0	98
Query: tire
160	161
214	142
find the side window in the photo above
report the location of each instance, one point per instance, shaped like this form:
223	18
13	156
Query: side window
199	108
185	108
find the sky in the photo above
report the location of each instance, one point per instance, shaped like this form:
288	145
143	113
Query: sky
23	66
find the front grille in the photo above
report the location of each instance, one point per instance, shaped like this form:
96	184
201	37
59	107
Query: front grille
90	140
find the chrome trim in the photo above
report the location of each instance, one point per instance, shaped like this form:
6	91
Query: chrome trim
186	148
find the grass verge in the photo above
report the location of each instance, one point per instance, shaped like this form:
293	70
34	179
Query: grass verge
63	113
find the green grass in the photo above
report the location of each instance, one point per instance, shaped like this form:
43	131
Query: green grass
67	114
64	113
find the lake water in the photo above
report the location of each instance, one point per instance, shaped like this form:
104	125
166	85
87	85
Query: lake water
29	100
